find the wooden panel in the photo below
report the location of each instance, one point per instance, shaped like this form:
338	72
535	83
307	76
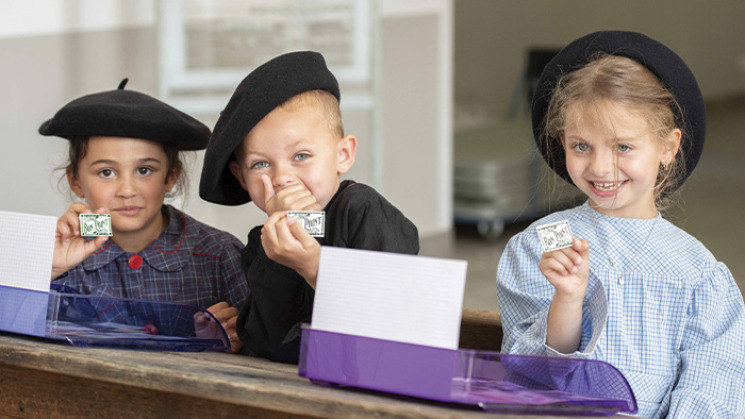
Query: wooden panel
481	329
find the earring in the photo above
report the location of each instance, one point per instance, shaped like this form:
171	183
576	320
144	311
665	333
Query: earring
664	166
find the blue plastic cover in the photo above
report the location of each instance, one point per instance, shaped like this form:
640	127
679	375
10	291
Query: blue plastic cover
95	321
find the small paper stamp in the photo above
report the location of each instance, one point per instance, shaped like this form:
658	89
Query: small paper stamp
555	236
94	225
313	222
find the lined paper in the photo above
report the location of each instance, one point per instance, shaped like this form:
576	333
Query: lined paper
26	252
404	298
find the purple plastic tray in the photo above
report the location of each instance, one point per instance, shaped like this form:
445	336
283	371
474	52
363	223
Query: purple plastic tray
496	382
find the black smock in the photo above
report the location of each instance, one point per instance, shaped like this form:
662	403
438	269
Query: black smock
281	300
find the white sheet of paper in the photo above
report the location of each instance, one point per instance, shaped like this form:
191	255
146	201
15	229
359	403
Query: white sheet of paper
26	251
404	298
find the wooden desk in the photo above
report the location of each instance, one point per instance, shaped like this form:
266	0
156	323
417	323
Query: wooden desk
41	378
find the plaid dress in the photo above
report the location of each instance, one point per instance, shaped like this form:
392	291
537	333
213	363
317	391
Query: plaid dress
189	262
664	312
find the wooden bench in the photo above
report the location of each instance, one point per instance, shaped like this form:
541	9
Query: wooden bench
481	329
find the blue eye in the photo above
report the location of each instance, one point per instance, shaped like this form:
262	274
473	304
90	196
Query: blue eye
582	147
259	165
302	156
623	148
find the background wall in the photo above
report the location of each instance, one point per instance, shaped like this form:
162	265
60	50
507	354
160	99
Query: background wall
492	37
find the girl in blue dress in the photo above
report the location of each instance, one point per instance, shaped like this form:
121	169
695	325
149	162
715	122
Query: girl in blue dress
124	160
621	117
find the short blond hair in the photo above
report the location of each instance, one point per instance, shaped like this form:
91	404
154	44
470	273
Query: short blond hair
325	102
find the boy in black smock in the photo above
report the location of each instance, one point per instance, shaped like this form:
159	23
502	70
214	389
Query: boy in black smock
280	143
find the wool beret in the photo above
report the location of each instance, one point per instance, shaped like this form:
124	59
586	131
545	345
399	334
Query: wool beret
669	68
129	114
265	88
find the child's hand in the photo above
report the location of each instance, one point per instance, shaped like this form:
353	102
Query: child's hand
568	269
205	327
70	248
295	197
286	243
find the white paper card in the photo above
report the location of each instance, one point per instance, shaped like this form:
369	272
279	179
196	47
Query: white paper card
26	252
404	298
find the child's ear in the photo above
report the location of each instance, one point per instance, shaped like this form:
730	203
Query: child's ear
74	182
345	154
671	146
235	169
172	178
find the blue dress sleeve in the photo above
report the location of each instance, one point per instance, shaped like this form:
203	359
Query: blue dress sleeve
525	297
711	379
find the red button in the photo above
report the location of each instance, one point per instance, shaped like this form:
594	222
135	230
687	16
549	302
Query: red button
135	261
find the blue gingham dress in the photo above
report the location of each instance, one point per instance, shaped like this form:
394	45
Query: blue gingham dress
664	312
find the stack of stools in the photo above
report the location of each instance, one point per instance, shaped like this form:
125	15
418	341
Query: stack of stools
499	178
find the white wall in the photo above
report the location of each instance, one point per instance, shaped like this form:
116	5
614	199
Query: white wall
44	17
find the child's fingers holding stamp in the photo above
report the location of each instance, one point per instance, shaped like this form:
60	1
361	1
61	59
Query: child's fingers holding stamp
68	225
95	225
555	236
313	222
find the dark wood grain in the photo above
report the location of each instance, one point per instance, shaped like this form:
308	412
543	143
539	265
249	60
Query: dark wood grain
481	329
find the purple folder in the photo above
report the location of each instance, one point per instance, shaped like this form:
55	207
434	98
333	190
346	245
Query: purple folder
493	381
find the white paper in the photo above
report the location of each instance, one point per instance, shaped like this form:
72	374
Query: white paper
26	252
404	298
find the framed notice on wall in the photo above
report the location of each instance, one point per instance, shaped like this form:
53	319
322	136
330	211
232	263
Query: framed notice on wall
207	47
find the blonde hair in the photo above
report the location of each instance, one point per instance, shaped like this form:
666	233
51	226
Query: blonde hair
324	102
628	83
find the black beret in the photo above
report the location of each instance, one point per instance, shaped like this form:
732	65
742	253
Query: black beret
129	114
265	88
669	68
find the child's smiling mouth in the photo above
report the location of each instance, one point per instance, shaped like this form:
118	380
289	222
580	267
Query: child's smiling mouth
607	186
606	189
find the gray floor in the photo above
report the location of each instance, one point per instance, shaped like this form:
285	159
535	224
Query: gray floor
710	208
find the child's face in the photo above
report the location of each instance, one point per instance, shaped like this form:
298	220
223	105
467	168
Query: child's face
614	158
293	145
128	178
